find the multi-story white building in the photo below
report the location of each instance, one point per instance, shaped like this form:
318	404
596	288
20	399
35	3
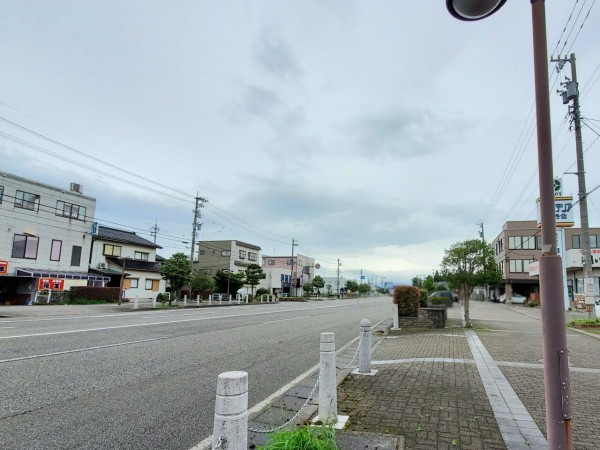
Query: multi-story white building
129	260
46	238
281	271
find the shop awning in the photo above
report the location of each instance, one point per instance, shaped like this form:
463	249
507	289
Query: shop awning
47	273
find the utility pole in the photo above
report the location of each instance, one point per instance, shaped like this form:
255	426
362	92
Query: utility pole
196	226
338	276
154	231
294	243
361	276
482	236
571	92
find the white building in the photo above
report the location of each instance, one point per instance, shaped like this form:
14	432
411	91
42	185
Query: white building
129	260
280	270
46	238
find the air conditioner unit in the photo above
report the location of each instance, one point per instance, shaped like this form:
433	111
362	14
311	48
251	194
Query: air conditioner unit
76	188
102	266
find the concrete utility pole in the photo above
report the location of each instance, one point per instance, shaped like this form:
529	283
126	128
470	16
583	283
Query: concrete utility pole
571	92
196	226
338	277
294	243
154	231
482	236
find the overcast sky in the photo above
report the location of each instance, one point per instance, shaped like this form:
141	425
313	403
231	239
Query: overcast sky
374	132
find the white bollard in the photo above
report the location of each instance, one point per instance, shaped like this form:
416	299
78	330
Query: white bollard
185	300
220	299
230	299
364	352
238	297
327	380
231	411
210	299
246	298
154	302
197	300
396	319
136	303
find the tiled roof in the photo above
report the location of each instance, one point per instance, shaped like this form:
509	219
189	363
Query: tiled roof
126	237
134	264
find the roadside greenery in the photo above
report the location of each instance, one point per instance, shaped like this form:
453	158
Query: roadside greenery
201	282
177	271
575	322
304	438
254	274
228	281
318	282
82	301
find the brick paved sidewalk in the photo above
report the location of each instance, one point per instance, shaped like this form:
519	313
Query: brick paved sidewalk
480	389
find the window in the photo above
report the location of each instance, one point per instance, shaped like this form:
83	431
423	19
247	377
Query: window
206	271
224	252
271	262
1	193
76	255
526	265
514	242
516	265
55	250
529	242
111	250
252	256
25	246
152	285
70	210
141	255
290	262
242	254
134	282
202	252
538	242
593	241
27	200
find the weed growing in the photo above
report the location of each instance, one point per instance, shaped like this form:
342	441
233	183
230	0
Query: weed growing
304	438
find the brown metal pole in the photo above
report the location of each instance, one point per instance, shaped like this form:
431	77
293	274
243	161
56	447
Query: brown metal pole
557	385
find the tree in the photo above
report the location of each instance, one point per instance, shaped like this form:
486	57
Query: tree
467	264
437	278
318	282
176	270
254	274
328	288
308	288
352	286
227	281
201	282
417	281
364	288
429	284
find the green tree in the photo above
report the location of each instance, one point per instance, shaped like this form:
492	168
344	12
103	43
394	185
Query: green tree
352	286
437	278
308	288
254	274
417	281
429	284
364	288
176	270
318	282
467	264
328	288
227	281
201	282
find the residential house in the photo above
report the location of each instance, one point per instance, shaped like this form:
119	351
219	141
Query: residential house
46	238
129	260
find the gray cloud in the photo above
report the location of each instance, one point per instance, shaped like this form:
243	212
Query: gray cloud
255	102
402	132
275	56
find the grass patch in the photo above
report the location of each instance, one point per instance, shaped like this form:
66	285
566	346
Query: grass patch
574	322
83	301
304	438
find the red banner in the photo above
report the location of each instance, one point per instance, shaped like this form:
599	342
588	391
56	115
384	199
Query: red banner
3	267
55	284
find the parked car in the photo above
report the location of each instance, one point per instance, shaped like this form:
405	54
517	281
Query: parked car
517	299
448	294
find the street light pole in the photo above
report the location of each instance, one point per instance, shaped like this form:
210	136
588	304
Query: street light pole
557	385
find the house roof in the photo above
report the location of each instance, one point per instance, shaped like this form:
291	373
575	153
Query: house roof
135	264
122	236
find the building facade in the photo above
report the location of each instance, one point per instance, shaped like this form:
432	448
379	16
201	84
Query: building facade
129	260
232	256
519	245
286	272
46	239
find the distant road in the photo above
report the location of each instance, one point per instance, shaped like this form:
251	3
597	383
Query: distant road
146	380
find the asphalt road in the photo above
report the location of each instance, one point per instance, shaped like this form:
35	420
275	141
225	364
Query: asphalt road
146	380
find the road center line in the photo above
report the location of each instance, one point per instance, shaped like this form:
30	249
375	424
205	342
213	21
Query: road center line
283	320
66	352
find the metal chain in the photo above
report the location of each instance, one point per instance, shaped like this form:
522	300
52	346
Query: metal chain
222	440
356	353
272	430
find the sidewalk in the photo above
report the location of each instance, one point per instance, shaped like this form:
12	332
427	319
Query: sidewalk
471	389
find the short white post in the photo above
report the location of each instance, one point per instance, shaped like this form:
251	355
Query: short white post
197	300
327	380
261	298
230	299
231	411
246	298
49	295
238	297
210	299
185	300
154	302
136	303
364	351
220	299
396	319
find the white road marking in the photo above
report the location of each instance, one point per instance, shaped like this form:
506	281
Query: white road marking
283	320
196	319
66	352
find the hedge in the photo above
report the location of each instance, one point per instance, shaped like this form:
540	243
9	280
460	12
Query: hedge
407	298
106	294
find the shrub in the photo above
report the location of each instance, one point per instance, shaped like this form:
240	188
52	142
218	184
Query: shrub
423	301
162	297
438	300
407	298
533	303
96	294
262	291
313	438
